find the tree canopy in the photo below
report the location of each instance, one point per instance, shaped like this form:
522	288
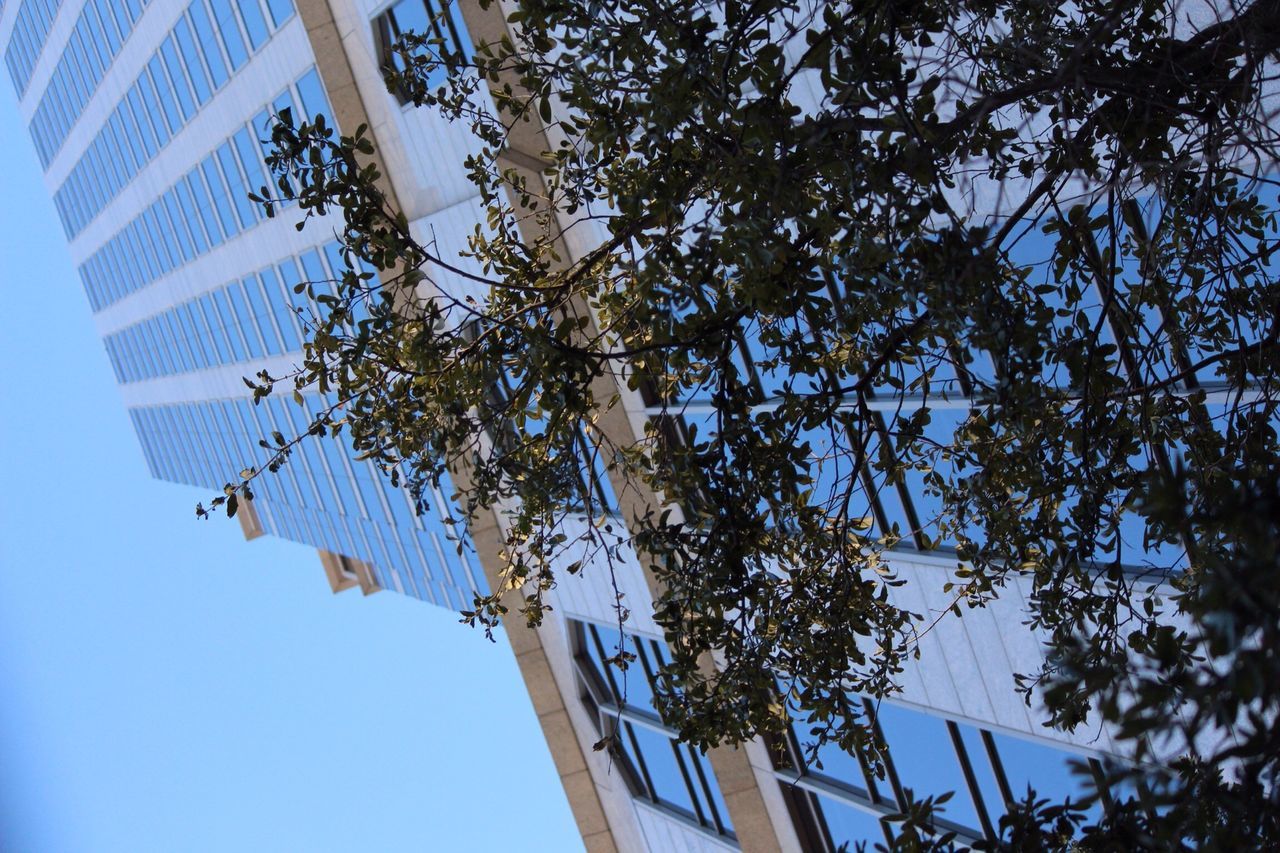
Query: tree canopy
992	280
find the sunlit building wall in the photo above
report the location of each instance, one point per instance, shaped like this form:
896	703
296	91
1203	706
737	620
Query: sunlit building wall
148	120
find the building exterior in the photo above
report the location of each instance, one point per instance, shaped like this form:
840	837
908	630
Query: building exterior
147	120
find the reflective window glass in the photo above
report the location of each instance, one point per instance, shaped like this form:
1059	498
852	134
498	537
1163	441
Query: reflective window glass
236	190
230	328
849	824
178	78
279	307
191	333
204	206
229	28
192	62
925	759
168	102
213	329
656	756
311	91
1030	765
178	337
218	192
181	236
254	24
155	112
146	133
244	320
261	315
208	43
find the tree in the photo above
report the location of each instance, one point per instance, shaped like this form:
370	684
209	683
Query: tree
988	278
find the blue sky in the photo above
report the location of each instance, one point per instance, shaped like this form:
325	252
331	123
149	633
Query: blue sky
165	685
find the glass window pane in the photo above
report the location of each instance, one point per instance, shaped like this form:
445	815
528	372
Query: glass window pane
281	10
106	25
180	236
155	112
244	320
204	206
192	61
134	9
191	334
655	750
1029	765
208	43
311	91
249	160
285	321
212	328
925	758
181	87
285	102
849	824
254	24
262	315
146	133
156	239
230	328
183	345
229	28
218	191
235	183
300	302
168	102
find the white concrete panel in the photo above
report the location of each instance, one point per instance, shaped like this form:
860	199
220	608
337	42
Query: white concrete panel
445	234
967	676
665	833
607	574
934	674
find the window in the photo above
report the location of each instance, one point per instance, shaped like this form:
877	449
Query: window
658	769
426	18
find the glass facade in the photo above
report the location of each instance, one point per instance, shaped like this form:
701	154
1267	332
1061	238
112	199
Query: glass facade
248	318
157	106
325	496
30	30
100	32
837	798
198	212
899	496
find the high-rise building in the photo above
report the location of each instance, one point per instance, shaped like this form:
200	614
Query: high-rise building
148	121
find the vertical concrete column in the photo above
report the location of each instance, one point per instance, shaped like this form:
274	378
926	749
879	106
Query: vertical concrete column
744	773
571	763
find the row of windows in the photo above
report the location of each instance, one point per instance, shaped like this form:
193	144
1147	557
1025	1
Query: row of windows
898	501
101	30
250	318
197	213
30	29
836	795
987	773
167	94
324	497
673	776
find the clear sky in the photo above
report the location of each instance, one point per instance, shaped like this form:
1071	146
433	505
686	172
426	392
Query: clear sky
166	686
